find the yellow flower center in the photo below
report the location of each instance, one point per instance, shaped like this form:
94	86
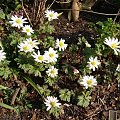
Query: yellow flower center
31	43
18	21
89	82
61	44
52	104
113	45
93	63
41	57
25	48
52	72
51	55
51	15
27	30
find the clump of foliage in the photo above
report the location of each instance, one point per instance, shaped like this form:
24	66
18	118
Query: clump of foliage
9	5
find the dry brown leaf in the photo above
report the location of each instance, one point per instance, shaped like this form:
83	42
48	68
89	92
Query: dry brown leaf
33	117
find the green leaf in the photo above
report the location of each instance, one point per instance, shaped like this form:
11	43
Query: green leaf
3	87
84	100
2	14
32	84
47	28
55	111
50	80
5	72
65	94
6	106
37	73
18	7
44	90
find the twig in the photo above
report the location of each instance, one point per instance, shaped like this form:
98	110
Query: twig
62	2
51	4
116	16
34	8
38	12
117	33
93	113
102	101
97	109
26	14
88	118
14	96
92	12
109	2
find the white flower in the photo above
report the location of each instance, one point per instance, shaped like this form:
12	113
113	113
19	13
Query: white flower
18	21
60	44
113	43
93	63
27	29
38	57
51	15
118	68
25	47
2	55
88	81
51	102
75	71
51	55
31	42
52	72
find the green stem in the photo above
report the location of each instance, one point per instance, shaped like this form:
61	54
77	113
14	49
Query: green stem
32	84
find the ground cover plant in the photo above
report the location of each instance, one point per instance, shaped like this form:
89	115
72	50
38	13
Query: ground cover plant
43	71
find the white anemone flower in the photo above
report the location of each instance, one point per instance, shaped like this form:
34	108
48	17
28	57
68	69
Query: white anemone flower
2	55
61	44
51	15
31	42
51	55
75	71
118	68
113	43
93	63
51	102
18	21
38	58
25	47
52	72
88	81
27	29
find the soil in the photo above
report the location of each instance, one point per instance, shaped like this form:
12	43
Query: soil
104	97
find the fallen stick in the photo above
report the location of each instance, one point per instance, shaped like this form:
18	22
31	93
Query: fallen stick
14	96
